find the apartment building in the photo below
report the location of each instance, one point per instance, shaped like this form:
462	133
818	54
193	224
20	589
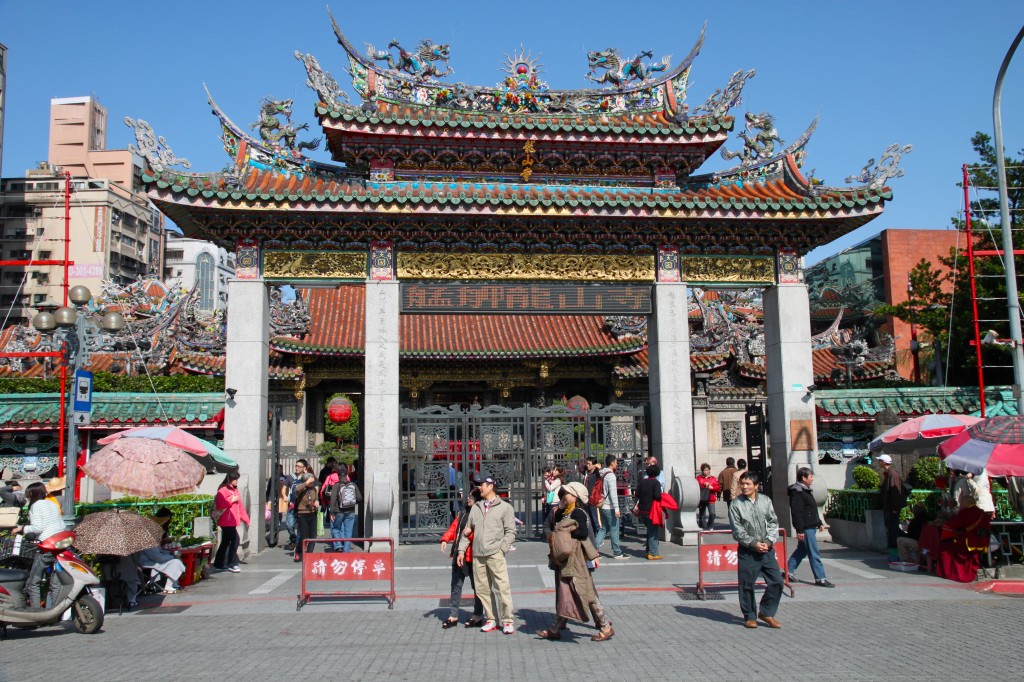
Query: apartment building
115	233
192	262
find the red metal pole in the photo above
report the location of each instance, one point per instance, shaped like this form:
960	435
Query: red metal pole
974	292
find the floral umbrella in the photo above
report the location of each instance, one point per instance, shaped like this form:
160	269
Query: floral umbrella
208	454
995	446
143	467
117	532
921	433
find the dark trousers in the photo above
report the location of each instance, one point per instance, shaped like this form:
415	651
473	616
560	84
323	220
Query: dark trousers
751	565
709	509
892	527
227	553
33	586
459	574
305	529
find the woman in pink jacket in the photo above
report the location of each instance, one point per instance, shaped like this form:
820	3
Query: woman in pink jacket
231	512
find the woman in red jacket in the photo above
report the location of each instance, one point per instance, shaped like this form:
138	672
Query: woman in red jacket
231	512
708	488
459	573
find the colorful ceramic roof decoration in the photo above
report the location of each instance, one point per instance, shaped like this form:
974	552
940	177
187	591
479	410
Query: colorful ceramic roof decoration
508	167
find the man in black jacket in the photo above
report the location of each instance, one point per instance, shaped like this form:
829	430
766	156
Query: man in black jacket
806	524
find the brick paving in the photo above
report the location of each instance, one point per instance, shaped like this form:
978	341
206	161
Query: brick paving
877	624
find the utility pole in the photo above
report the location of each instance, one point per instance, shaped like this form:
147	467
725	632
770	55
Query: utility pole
1013	303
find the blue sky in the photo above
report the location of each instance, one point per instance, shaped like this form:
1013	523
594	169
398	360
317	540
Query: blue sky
876	72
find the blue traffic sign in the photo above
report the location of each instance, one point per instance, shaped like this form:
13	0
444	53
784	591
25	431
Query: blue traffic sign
82	397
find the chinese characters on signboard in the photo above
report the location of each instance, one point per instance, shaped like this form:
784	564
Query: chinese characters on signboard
347	566
532	298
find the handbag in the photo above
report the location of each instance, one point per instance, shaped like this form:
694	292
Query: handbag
562	543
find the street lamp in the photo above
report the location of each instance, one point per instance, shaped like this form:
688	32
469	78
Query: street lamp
77	337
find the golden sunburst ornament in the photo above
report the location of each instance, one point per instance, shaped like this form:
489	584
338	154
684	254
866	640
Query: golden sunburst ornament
522	65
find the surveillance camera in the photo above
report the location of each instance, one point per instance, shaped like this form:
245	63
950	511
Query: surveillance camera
991	338
812	388
231	392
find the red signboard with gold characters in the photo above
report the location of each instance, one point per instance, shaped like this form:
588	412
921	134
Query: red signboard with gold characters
328	575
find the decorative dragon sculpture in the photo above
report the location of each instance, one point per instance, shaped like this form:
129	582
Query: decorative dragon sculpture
888	167
418	64
759	147
276	133
724	99
619	72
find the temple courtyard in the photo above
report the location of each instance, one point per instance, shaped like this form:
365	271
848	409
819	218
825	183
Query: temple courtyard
877	624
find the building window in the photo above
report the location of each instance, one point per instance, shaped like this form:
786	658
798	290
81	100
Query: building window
205	270
731	435
38	299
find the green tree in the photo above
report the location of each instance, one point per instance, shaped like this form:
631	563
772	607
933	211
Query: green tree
342	433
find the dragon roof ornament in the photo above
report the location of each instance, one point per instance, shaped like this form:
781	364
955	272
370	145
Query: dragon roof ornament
154	149
722	100
411	78
887	168
245	150
758	168
321	82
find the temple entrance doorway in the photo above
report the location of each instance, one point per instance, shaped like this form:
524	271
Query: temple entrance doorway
442	447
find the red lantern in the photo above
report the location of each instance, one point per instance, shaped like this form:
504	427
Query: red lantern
339	410
578	403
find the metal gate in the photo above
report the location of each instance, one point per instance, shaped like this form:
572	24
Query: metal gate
442	447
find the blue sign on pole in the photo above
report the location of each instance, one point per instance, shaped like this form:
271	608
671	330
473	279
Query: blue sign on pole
82	400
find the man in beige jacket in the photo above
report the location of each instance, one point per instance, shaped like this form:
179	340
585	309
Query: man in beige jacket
492	525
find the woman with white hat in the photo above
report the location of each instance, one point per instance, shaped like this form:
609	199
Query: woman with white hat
575	595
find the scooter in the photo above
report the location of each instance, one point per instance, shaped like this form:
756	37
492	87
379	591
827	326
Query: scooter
69	588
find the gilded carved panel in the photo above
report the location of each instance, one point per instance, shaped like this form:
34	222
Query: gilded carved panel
314	265
718	269
522	266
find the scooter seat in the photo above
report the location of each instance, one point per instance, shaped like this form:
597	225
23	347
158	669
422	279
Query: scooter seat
12	574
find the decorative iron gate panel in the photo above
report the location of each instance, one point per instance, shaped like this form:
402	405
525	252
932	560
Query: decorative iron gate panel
442	447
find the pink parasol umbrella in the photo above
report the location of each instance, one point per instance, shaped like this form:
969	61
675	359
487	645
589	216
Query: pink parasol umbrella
143	467
921	433
171	435
995	446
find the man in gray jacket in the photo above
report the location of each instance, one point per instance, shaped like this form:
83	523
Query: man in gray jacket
756	528
492	525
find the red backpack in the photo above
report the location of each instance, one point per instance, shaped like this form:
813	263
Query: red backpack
597	493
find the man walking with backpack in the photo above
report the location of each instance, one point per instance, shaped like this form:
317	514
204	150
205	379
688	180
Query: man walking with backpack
345	497
605	498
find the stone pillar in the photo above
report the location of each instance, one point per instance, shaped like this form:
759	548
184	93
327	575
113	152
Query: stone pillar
672	405
791	414
380	449
245	413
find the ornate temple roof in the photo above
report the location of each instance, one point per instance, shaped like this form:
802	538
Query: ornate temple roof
621	155
858	404
339	332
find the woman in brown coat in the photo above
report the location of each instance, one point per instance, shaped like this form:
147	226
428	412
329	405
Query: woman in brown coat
575	595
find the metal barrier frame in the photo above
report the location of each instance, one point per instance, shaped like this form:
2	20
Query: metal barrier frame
702	584
308	557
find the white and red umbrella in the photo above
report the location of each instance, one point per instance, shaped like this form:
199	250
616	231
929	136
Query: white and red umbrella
922	433
995	446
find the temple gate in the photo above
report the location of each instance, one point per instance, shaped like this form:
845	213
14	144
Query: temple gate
449	185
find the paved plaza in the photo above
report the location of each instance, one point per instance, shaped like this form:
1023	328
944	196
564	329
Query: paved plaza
876	624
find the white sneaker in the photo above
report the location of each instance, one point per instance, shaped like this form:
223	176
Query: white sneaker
489	626
234	569
508	629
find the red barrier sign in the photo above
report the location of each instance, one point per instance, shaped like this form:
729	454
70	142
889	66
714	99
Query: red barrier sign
323	573
715	556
